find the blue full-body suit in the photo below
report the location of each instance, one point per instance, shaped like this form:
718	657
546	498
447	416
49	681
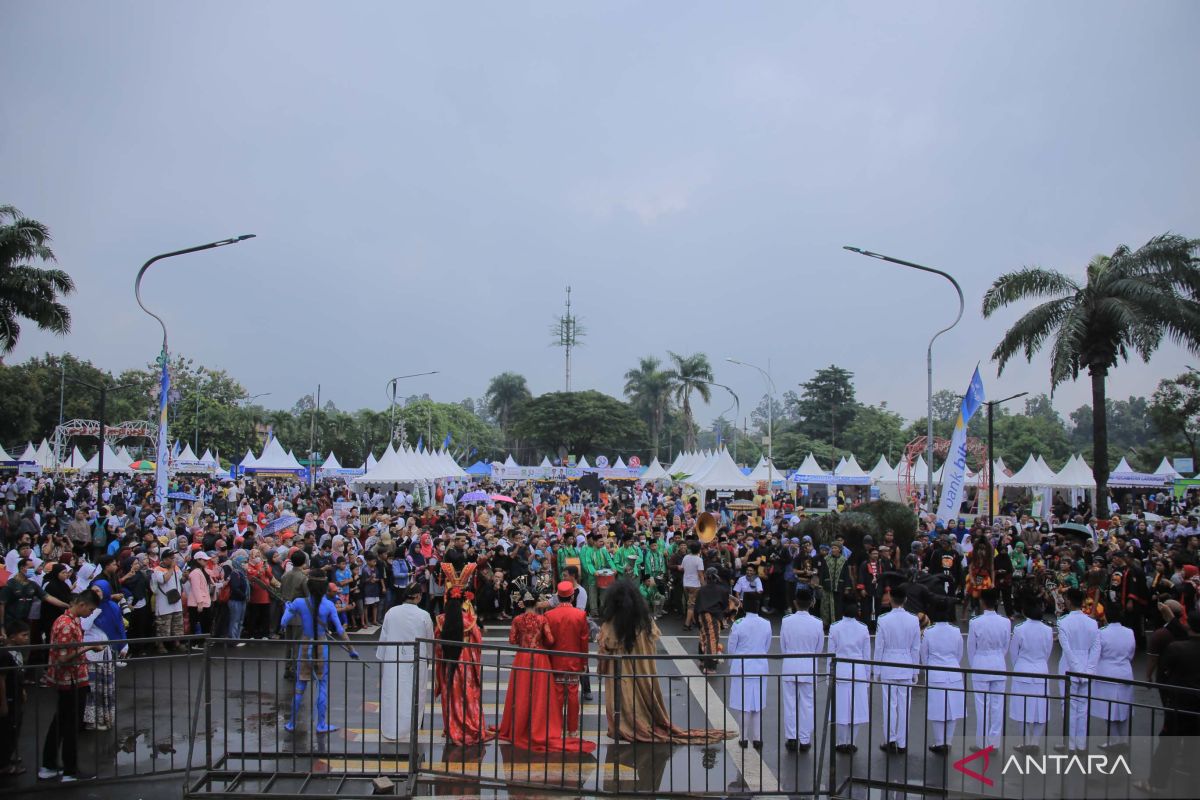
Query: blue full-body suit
312	660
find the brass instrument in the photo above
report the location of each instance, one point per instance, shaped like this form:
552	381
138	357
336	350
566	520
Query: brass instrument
706	527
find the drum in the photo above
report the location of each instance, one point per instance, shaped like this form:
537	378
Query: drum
605	578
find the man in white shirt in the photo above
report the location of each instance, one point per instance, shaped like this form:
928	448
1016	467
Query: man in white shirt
800	632
850	639
693	572
897	640
988	637
1076	635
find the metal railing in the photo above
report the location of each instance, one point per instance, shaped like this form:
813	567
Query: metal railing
134	720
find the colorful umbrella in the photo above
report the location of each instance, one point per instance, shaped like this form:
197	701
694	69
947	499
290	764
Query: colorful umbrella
280	523
142	466
503	498
474	497
181	496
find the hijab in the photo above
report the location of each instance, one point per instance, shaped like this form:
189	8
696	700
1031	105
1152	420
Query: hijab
426	547
110	620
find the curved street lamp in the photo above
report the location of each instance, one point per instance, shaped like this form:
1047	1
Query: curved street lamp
770	417
160	468
928	357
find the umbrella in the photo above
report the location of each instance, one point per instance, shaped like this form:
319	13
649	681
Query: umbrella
181	496
503	498
280	523
142	466
1074	529
474	497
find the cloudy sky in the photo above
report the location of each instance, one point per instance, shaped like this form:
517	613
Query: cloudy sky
426	178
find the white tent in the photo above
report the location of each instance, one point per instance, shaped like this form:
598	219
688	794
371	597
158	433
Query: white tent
583	463
1125	476
654	472
766	471
75	460
849	468
882	472
1031	474
620	464
330	463
1075	474
810	467
249	460
545	462
4	456
721	475
275	459
112	462
1165	469
123	454
837	470
45	456
188	463
187	454
404	466
510	463
674	466
30	453
372	461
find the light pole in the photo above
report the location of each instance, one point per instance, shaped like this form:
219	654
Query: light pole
770	418
928	357
991	460
392	410
254	397
737	404
160	467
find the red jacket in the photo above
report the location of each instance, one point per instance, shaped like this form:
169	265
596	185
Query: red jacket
570	628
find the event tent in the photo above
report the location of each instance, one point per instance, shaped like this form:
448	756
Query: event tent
1075	474
766	471
187	462
545	462
882	472
721	474
112	462
1165	469
249	460
29	456
583	463
275	460
849	468
480	469
45	456
810	467
75	460
1032	474
1125	477
654	472
4	456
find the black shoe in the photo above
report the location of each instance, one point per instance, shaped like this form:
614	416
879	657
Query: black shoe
940	749
1062	748
757	745
898	750
790	745
742	743
804	747
887	747
587	696
974	748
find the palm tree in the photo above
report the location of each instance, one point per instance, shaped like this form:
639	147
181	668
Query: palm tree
1130	301
690	374
505	395
27	291
649	390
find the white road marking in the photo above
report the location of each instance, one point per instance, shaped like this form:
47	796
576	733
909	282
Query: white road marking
756	773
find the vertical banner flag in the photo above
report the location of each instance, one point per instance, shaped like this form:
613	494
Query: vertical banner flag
954	469
160	465
446	441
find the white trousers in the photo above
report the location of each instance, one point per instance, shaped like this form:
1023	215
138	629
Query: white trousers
989	712
798	711
943	732
896	700
1078	722
846	734
751	723
1032	732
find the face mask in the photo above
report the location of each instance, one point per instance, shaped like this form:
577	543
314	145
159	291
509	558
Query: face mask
29	573
154	551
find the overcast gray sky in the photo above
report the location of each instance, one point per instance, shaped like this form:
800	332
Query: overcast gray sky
426	178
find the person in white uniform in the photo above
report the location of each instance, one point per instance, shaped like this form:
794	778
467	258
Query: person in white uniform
406	622
898	640
751	635
988	635
1076	633
800	632
1111	656
945	701
1029	651
849	638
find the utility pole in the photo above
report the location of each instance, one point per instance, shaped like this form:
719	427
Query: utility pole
312	440
567	333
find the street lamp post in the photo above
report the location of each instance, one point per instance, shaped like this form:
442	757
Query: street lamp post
160	470
928	357
392	410
770	418
737	404
991	460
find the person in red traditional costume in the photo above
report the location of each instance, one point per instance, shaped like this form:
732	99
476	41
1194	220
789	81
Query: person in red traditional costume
532	721
569	627
458	677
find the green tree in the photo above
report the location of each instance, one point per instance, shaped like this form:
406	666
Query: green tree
586	423
506	394
690	374
1175	409
26	291
1129	302
875	431
649	391
827	405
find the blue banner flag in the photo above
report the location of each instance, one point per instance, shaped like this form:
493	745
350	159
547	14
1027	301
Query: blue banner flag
446	441
954	469
420	443
160	466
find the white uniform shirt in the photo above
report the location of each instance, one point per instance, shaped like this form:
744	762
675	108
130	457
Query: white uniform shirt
1076	633
987	644
1030	648
801	633
898	639
849	638
942	646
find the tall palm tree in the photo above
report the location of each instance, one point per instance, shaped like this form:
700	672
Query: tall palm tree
505	395
27	291
690	374
649	390
1130	301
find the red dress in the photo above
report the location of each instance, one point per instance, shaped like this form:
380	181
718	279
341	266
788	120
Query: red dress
532	719
461	688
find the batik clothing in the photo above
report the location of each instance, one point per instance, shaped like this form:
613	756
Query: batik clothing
643	714
532	720
459	684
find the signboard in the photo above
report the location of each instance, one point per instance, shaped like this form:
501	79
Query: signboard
571	461
602	462
634	462
1184	466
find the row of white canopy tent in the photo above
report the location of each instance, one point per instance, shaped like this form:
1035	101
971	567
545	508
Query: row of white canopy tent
407	466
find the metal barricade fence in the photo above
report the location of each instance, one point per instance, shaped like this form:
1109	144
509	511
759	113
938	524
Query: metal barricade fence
135	720
440	718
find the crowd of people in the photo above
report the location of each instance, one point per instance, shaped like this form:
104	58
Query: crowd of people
273	558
